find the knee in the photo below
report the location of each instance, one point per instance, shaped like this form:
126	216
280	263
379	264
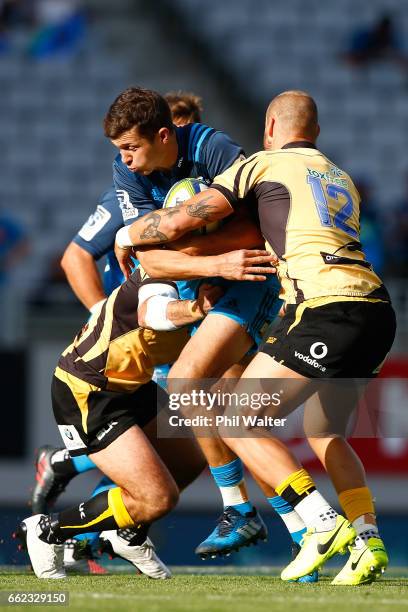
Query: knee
164	503
161	502
154	504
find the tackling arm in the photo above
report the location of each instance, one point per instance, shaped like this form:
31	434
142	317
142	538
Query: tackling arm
251	265
170	224
240	231
160	309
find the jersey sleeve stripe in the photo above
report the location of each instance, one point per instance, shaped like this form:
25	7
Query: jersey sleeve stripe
200	142
194	132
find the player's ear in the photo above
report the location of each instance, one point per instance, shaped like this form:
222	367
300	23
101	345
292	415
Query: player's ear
164	134
269	129
317	130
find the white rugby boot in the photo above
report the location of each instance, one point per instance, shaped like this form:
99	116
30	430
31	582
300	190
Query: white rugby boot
47	559
143	557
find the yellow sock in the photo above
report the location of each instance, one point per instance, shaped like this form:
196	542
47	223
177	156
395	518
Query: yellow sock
356	502
296	486
103	512
118	508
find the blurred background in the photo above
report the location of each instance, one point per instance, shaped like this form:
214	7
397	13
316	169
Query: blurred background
62	62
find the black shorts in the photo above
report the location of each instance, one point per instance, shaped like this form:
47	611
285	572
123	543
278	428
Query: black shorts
340	339
89	422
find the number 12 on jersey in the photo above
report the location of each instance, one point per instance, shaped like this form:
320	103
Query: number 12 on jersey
333	191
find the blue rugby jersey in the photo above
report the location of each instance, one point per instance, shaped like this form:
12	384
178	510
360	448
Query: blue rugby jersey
202	152
97	237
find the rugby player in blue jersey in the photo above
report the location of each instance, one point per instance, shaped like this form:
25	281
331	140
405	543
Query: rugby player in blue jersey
154	155
92	241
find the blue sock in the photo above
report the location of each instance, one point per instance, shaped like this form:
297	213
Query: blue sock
103	485
290	517
83	463
230	480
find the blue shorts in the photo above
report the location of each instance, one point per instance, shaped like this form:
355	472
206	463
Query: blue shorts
253	304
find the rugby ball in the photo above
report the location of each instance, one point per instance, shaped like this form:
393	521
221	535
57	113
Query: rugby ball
184	190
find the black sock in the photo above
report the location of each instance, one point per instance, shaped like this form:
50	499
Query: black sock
94	514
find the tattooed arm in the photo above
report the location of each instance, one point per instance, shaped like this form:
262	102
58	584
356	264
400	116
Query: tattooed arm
171	223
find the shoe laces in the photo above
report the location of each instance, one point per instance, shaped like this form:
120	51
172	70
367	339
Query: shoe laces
226	521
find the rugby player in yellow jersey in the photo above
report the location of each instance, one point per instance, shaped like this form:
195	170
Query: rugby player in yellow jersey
105	405
309	215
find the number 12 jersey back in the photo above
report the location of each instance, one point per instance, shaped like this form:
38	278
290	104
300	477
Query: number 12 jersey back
309	215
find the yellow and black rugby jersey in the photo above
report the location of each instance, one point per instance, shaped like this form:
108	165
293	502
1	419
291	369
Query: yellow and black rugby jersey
112	352
309	215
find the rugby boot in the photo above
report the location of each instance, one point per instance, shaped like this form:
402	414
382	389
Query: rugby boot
318	547
232	532
49	485
47	559
143	556
79	557
314	576
365	564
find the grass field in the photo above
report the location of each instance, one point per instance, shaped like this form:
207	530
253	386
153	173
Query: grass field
191	590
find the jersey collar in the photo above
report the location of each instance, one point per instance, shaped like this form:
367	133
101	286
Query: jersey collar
303	144
182	135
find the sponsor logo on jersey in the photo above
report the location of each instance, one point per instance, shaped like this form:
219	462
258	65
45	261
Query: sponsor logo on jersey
95	223
128	210
157	195
331	175
318	350
71	437
102	433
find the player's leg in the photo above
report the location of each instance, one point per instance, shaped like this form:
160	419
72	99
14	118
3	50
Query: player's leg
92	420
55	468
327	532
289	516
229	343
174	451
81	552
145	491
327	415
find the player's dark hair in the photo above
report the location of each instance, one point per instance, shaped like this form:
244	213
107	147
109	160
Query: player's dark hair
136	107
185	105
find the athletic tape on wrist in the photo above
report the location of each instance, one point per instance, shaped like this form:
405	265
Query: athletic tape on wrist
156	313
123	238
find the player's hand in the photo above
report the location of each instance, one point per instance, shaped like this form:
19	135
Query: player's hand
247	265
123	255
208	295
